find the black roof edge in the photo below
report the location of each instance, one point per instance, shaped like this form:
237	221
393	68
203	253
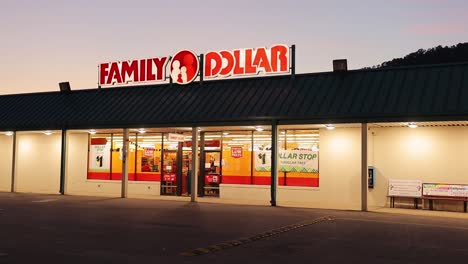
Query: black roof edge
278	76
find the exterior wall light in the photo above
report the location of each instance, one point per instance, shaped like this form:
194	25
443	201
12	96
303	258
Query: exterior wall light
259	128
141	131
412	125
92	131
9	133
47	132
330	127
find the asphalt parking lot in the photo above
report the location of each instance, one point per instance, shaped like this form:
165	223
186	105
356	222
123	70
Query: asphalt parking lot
73	229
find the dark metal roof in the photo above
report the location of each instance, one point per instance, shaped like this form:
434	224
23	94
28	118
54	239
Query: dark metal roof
437	92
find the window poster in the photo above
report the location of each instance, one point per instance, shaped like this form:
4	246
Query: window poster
289	161
99	154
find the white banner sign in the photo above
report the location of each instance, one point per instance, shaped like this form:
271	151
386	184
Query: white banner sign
289	161
450	190
175	137
406	188
99	157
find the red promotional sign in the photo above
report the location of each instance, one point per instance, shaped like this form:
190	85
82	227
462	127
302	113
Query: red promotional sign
98	141
236	152
184	66
212	178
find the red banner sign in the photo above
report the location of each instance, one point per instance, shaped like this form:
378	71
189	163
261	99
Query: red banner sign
184	66
236	152
210	143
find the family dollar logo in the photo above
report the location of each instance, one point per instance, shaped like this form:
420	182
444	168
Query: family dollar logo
184	67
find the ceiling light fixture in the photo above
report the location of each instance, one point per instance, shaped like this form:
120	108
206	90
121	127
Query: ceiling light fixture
141	131
259	128
412	125
92	131
47	132
330	127
9	133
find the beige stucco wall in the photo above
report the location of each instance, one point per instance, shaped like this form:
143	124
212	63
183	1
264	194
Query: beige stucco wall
78	184
245	194
430	154
6	152
38	162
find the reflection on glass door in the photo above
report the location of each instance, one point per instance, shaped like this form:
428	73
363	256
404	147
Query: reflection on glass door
169	173
212	173
186	172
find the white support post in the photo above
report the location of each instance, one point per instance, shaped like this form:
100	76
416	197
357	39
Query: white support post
195	167
126	142
364	167
13	164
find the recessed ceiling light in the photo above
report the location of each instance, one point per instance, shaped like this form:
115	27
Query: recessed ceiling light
330	127
47	132
259	128
412	125
92	131
141	131
9	133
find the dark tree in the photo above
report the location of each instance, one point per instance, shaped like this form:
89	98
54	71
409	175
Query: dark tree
435	55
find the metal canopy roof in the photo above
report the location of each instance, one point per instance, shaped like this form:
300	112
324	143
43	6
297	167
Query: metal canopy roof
423	93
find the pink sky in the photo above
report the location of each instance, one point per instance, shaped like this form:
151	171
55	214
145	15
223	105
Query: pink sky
46	42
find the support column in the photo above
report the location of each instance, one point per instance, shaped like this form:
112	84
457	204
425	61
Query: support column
126	141
13	164
195	167
364	167
274	161
63	162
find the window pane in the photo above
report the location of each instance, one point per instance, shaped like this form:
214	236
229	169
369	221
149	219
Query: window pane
99	157
149	157
298	161
237	157
262	157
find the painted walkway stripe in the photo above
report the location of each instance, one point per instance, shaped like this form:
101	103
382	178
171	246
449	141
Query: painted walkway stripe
44	201
246	240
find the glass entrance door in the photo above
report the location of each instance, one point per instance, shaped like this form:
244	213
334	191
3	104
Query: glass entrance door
169	173
212	173
186	172
176	168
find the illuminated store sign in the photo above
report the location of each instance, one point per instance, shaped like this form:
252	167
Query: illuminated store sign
185	66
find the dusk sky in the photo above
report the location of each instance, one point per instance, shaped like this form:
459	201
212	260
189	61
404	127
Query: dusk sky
45	42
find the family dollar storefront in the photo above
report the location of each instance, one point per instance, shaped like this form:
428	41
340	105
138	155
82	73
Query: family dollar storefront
241	126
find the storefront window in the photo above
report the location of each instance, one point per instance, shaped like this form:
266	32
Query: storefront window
99	163
148	156
262	157
298	162
237	157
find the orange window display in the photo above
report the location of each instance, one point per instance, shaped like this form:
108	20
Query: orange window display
237	157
